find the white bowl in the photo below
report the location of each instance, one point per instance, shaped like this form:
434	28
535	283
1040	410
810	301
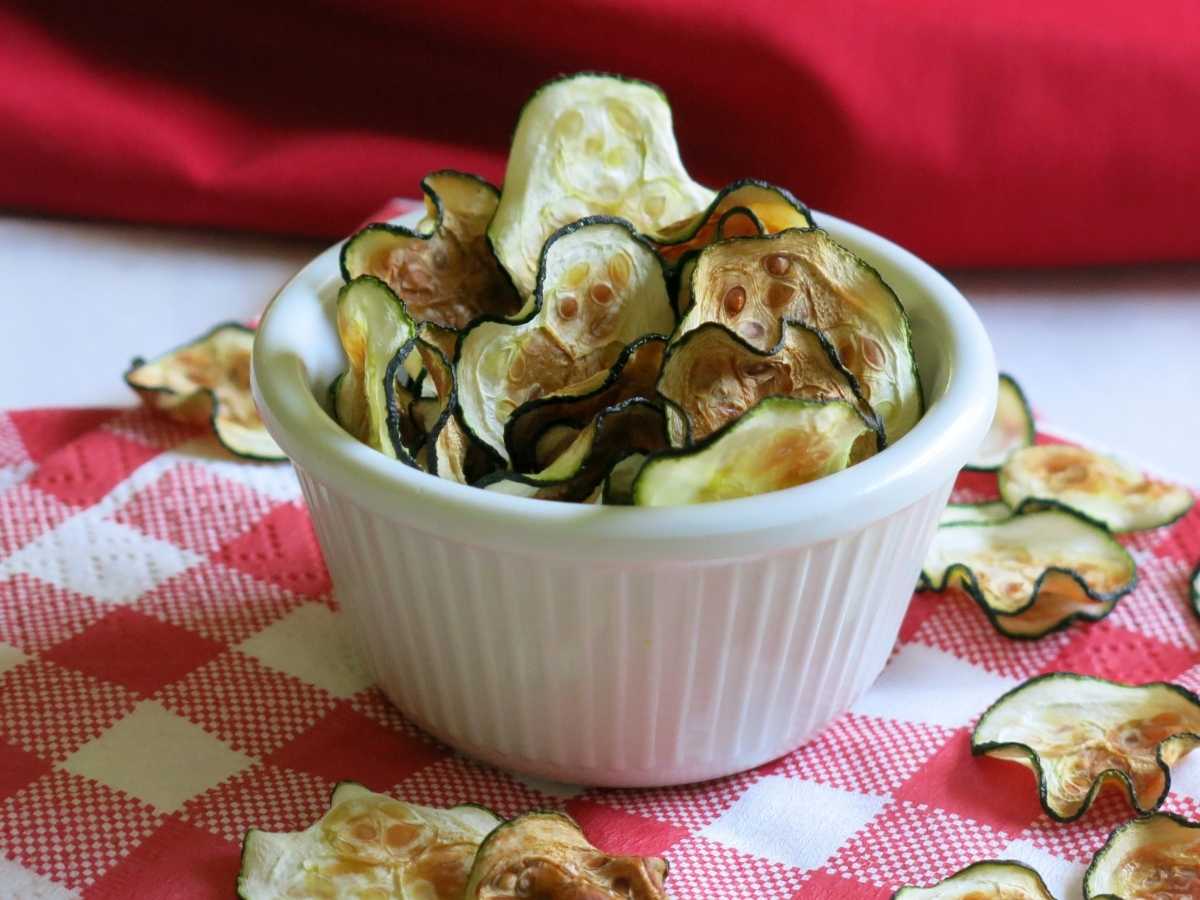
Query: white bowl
621	646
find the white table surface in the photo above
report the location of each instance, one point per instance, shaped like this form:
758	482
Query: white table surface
1109	354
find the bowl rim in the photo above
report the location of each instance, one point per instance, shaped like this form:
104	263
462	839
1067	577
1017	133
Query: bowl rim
924	460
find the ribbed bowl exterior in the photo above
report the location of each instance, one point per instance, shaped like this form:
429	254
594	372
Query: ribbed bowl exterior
616	673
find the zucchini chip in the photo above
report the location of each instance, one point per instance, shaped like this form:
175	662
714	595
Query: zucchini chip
736	222
779	443
711	376
1155	857
1034	573
600	287
207	382
751	285
633	375
1012	428
589	145
446	275
1097	486
748	207
375	329
545	855
975	513
989	879
635	425
1079	733
367	845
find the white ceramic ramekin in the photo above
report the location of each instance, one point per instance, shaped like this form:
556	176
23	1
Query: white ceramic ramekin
620	646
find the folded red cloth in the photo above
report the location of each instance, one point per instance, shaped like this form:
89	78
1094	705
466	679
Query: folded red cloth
973	132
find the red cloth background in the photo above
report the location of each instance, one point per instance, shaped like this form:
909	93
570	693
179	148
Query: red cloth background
972	131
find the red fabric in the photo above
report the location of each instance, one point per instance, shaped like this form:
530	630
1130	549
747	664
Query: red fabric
974	132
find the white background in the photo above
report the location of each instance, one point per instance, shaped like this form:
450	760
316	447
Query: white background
1112	355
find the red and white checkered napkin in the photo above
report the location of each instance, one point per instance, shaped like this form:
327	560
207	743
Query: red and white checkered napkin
173	670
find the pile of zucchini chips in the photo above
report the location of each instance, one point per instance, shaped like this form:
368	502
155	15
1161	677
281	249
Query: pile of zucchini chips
606	330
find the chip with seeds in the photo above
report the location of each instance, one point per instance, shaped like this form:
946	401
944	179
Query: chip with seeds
1080	734
753	285
600	287
711	376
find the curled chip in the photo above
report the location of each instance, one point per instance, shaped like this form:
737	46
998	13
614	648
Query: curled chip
207	381
1079	734
367	845
633	375
1012	428
446	275
599	288
711	376
1096	485
990	879
779	443
1155	857
589	145
748	207
544	855
634	425
752	285
1033	573
377	335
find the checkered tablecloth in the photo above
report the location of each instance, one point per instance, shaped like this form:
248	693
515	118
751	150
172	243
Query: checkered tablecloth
173	670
